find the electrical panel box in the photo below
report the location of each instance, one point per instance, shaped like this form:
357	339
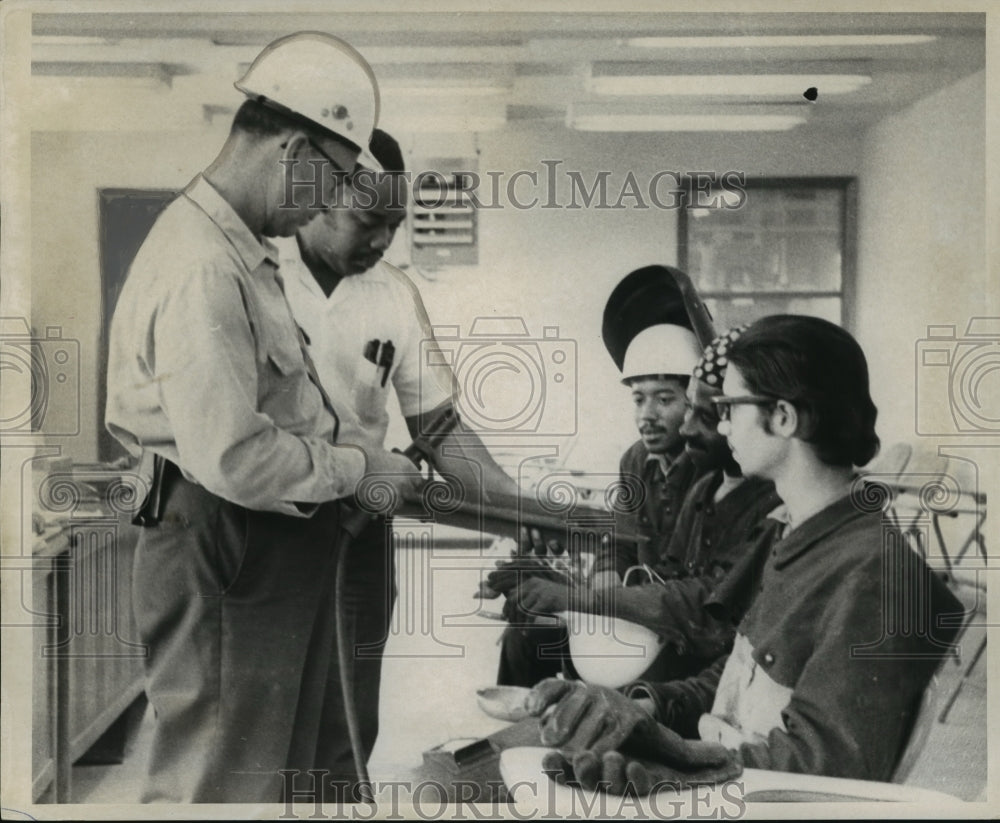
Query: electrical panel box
444	228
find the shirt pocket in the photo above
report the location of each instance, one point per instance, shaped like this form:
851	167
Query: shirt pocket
285	392
282	349
369	396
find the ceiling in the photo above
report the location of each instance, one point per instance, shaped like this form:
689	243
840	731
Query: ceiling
464	71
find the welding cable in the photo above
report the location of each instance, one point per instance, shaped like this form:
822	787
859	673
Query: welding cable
353	522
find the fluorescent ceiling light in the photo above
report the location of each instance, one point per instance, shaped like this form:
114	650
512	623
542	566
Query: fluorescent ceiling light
683	122
405	88
764	41
446	123
70	40
738	85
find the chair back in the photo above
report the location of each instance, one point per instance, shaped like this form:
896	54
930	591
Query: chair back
923	722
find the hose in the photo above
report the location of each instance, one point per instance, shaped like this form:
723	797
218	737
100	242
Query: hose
345	660
354	522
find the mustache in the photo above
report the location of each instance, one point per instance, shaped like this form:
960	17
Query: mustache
651	429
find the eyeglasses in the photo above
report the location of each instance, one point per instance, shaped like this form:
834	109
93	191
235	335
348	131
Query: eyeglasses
337	167
723	405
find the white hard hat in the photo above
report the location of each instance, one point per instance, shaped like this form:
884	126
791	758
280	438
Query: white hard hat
661	349
321	78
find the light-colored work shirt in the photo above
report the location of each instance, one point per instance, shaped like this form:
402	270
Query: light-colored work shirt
380	305
206	366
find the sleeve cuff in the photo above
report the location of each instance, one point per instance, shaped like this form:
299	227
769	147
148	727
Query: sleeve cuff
645	695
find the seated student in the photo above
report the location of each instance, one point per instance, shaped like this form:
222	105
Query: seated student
831	661
722	524
656	369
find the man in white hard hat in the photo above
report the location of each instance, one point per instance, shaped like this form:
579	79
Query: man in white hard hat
369	335
209	380
657	368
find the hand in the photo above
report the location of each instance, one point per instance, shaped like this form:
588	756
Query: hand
511	574
387	468
577	715
537	596
621	774
531	543
591	724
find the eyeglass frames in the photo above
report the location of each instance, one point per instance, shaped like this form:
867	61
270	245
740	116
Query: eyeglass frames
337	167
723	405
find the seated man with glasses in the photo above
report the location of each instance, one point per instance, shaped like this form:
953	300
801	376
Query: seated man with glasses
832	659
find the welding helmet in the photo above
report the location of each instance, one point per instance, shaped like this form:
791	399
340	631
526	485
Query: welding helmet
651	296
322	79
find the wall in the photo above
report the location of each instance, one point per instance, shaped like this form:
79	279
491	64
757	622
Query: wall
921	243
557	266
553	267
68	168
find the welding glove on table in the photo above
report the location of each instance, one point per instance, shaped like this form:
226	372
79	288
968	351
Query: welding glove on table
605	740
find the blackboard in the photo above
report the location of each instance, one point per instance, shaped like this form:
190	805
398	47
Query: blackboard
126	216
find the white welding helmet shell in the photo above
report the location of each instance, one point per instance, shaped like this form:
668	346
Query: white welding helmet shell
661	349
322	78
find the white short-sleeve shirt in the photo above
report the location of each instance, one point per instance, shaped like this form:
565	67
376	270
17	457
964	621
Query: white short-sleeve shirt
380	305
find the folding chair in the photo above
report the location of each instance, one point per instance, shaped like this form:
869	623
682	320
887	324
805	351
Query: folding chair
922	491
884	473
970	501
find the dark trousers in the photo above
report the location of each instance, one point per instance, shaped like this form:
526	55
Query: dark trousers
236	609
530	654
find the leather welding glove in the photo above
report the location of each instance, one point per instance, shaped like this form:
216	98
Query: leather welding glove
602	735
537	596
619	773
511	574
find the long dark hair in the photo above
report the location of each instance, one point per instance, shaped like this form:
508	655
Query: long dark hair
821	370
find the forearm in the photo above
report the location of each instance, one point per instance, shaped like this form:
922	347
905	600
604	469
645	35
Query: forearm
679	703
676	611
246	459
617	556
462	458
246	421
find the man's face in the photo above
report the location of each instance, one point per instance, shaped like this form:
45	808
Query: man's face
659	409
757	451
311	173
700	430
351	237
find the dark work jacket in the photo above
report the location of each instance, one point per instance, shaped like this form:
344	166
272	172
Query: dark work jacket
709	540
852	624
657	501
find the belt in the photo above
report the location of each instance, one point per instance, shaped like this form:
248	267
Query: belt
151	511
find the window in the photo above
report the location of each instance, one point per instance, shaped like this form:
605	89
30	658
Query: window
787	248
